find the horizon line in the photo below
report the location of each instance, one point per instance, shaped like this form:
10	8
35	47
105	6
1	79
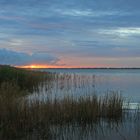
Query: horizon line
55	67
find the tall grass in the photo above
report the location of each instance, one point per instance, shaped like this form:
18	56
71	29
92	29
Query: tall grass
20	117
17	117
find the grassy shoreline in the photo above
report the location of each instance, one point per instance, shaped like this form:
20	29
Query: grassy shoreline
24	78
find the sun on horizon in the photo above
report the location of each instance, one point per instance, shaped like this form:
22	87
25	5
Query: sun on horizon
38	66
33	66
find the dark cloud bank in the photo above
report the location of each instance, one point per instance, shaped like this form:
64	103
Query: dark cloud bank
8	57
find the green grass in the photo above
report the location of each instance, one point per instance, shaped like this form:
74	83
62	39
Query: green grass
25	79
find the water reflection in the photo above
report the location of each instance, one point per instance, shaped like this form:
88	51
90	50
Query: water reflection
101	131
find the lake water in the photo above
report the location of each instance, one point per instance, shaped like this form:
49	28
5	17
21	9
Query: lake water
83	82
78	82
102	131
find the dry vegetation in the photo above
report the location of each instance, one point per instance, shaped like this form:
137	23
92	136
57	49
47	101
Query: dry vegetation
19	118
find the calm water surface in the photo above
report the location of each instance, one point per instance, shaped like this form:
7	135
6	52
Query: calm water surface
125	81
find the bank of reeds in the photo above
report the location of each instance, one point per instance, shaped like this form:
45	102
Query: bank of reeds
20	117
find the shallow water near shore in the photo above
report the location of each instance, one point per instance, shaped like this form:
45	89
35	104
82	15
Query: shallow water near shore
102	131
80	82
77	83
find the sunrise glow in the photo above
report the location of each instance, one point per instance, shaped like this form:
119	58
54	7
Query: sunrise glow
38	66
33	66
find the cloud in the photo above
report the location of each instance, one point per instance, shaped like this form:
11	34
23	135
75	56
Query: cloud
8	57
89	13
122	31
11	18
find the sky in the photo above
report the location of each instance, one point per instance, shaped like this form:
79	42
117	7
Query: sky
70	33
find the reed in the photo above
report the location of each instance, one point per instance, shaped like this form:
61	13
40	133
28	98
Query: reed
20	117
17	118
